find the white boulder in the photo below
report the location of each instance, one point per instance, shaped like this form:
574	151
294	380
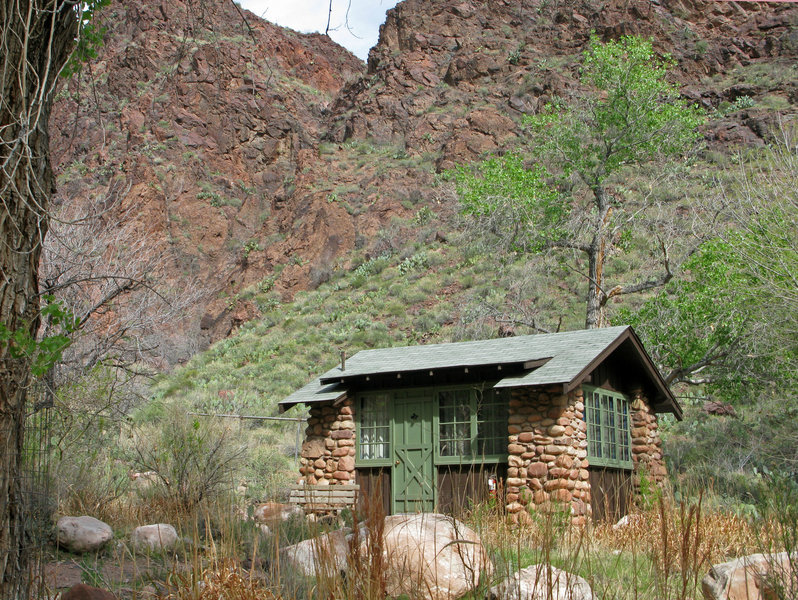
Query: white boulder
82	534
160	537
432	556
325	554
542	582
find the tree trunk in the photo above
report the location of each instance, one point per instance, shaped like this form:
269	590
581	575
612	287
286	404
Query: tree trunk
594	309
37	37
596	255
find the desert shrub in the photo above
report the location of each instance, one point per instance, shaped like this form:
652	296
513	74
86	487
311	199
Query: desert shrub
194	459
86	475
223	580
733	454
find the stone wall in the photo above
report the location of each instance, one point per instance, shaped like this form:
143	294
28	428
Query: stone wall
547	463
646	443
328	452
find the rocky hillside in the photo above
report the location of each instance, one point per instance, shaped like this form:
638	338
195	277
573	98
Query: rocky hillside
251	155
452	77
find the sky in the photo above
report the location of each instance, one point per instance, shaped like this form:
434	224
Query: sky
306	16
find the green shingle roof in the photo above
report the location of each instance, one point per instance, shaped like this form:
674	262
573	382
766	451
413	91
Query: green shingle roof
315	391
567	357
569	353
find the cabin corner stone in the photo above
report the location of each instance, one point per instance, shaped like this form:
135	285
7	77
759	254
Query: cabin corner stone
646	443
328	452
547	462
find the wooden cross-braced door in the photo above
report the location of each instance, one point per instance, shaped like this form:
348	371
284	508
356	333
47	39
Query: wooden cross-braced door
414	477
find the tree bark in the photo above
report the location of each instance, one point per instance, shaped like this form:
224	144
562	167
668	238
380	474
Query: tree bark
596	255
37	38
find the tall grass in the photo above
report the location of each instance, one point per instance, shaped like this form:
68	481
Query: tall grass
662	553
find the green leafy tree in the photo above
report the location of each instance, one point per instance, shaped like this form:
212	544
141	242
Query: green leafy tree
627	115
731	322
729	326
699	322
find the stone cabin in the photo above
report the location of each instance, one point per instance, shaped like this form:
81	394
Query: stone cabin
566	420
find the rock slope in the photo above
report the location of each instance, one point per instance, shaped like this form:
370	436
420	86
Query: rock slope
252	155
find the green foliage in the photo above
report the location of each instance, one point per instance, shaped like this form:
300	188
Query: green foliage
630	116
733	456
634	116
423	215
733	313
699	316
45	352
513	199
194	459
741	103
252	246
90	37
413	263
514	56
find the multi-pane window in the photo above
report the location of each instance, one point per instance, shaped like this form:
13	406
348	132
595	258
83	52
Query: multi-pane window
608	428
454	422
375	429
492	413
472	423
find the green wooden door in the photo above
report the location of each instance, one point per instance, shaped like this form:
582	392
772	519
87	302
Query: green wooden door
413	478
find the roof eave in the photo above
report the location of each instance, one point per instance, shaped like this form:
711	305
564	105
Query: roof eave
664	398
342	378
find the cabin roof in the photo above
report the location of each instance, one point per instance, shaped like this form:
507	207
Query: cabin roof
546	359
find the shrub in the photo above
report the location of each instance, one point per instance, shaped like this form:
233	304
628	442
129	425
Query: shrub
194	459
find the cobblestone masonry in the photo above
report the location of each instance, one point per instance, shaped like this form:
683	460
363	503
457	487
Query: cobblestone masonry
646	443
547	449
547	462
328	452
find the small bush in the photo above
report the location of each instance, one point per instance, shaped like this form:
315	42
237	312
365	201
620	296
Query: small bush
194	458
412	263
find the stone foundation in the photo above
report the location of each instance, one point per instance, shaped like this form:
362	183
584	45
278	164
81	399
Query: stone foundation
547	463
328	452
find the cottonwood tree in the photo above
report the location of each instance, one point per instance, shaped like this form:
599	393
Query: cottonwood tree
731	323
626	115
36	39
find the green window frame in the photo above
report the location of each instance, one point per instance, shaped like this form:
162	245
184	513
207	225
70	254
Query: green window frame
471	425
373	430
454	423
608	418
493	411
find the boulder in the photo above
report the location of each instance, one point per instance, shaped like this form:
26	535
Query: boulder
269	515
622	523
432	556
82	534
541	582
160	537
750	577
81	591
323	554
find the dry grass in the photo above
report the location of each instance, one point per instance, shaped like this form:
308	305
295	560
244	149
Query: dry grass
661	554
224	580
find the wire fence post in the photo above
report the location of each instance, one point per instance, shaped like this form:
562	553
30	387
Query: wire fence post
35	482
